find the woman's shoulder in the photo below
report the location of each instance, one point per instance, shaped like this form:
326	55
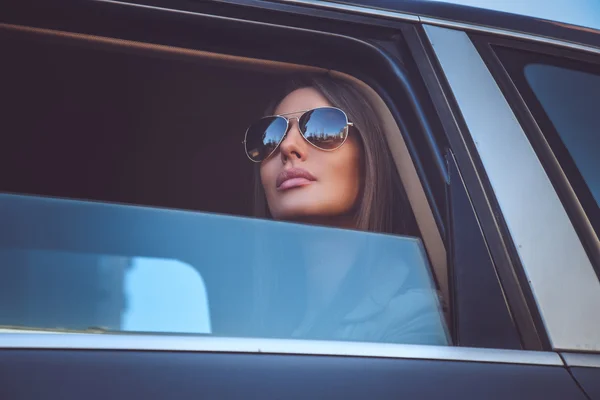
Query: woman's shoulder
411	317
397	309
414	317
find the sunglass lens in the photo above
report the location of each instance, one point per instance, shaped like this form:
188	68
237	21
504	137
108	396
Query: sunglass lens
263	137
325	127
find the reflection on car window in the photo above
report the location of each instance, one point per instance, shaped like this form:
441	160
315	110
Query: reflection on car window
570	98
78	291
78	265
164	296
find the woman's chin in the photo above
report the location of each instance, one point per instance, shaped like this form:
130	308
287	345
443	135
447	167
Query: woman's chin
306	213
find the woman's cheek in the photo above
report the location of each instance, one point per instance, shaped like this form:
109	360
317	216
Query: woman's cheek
351	164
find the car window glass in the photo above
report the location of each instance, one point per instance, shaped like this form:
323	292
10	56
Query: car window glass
79	265
81	291
164	295
570	98
561	94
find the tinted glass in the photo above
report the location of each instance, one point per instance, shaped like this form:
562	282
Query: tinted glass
571	99
562	94
77	265
324	127
263	137
79	290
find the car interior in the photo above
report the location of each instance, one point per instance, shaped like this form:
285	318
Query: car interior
119	121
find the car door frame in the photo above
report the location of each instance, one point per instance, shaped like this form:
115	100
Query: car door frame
583	364
428	169
543	255
569	196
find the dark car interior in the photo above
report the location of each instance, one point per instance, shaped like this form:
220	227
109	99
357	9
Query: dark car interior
110	125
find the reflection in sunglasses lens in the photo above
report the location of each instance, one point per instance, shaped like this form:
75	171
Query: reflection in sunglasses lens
263	137
325	127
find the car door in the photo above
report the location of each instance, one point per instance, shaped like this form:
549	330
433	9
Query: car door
552	91
504	333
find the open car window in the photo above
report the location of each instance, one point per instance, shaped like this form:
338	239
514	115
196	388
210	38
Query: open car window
72	265
124	122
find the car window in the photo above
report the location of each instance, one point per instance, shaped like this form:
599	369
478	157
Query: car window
562	95
71	290
570	98
173	135
80	265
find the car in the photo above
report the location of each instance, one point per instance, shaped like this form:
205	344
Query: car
130	269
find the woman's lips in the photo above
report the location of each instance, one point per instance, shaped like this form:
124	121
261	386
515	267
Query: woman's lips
294	177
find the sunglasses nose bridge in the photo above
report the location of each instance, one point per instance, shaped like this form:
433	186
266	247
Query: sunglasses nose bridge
293	142
291	126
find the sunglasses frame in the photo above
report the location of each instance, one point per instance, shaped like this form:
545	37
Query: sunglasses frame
287	128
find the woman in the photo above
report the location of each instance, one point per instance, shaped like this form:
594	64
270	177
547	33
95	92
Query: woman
322	159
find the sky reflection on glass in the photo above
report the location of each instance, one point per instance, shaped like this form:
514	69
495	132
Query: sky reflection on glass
571	99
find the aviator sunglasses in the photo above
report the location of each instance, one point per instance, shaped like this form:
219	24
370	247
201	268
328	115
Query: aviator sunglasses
326	128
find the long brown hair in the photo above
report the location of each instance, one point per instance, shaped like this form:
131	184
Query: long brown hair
383	206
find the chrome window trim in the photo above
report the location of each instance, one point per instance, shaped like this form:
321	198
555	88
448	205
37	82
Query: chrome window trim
581	360
561	276
400	16
510	34
362	10
211	344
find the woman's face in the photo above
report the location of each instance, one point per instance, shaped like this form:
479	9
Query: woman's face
302	182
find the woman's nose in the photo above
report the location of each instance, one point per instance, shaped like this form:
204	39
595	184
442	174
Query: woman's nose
293	145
